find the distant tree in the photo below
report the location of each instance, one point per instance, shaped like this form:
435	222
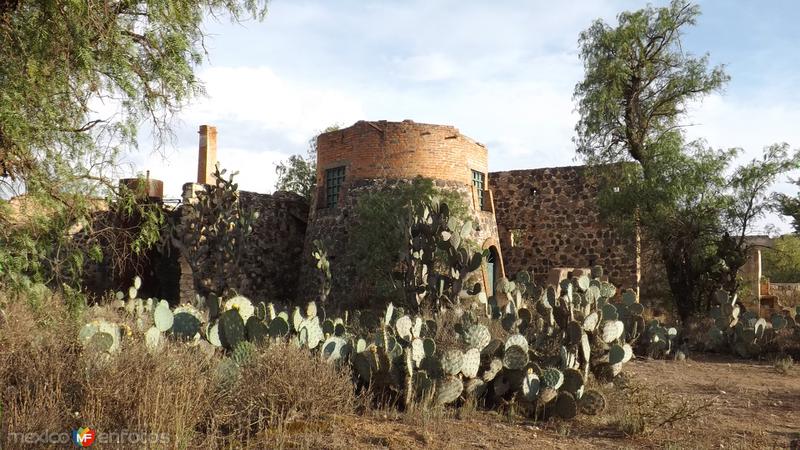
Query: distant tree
781	263
298	174
683	196
788	206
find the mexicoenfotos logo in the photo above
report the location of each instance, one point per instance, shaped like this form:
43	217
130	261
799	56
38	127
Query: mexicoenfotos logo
83	436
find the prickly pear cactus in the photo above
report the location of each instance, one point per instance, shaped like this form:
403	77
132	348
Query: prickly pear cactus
452	362
565	406
448	390
592	402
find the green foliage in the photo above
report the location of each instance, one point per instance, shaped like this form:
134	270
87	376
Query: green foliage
638	81
684	196
376	244
781	263
298	174
136	57
213	232
44	240
140	55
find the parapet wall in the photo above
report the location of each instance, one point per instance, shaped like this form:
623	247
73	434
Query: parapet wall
548	218
400	150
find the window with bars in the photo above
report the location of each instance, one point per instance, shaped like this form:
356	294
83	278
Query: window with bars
478	180
334	178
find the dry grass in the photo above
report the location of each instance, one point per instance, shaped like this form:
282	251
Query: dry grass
642	410
284	397
783	364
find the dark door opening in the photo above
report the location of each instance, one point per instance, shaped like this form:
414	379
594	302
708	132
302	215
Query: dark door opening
492	270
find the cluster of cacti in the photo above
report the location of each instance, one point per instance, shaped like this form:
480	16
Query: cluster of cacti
397	353
433	231
213	233
743	332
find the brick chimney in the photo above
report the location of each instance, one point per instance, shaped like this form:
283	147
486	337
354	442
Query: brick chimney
208	154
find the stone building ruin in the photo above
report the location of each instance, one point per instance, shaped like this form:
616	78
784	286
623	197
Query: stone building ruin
545	221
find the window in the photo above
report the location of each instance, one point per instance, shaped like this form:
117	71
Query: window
333	184
478	180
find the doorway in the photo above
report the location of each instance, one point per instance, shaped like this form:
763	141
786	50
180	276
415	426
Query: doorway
492	265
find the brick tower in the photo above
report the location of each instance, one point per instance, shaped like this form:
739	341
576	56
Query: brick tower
370	156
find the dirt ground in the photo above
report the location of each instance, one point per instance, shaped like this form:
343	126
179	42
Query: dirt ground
753	406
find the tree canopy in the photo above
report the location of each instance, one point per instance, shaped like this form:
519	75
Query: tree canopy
77	82
687	197
298	173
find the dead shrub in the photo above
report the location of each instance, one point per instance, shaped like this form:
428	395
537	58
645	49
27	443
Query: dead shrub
645	409
281	386
783	364
37	369
167	393
48	382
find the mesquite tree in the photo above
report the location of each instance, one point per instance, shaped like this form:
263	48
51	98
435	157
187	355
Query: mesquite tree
682	195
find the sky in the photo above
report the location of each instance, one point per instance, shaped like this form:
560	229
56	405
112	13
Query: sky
503	72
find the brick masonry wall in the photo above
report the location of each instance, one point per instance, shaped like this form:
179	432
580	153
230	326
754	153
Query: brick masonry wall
400	150
552	218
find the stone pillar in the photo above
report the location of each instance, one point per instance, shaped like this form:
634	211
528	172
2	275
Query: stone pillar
207	158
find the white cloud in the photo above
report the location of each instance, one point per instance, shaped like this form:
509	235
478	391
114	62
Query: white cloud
750	124
427	67
260	96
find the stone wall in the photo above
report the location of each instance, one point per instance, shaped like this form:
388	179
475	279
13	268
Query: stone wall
333	226
275	250
279	234
549	218
377	156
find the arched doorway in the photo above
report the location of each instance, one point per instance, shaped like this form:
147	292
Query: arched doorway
492	270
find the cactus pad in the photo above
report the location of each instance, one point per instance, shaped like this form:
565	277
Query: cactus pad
452	361
185	326
591	321
592	402
162	316
335	348
231	329
573	382
212	335
574	332
566	407
328	327
530	386
429	346
403	327
471	363
616	354
515	358
517	340
552	378
243	353
612	330
152	339
241	304
448	390
278	327
477	336
495	366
